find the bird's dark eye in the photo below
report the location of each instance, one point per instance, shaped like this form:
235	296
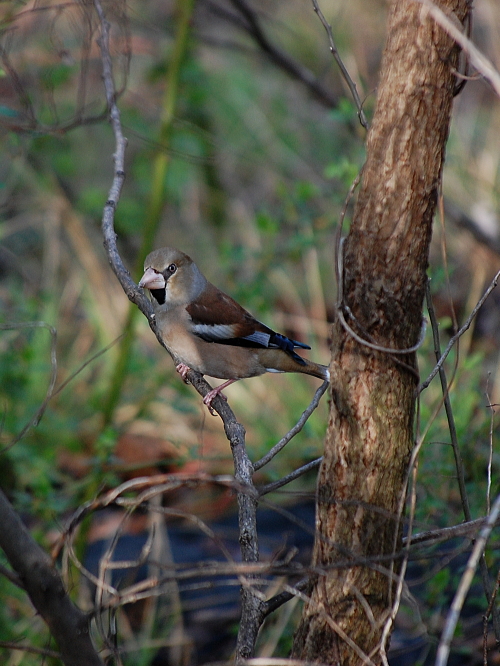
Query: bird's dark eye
172	268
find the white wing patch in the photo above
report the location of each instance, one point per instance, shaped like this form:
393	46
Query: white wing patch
259	337
214	331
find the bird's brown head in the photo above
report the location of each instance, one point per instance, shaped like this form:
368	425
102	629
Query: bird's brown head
172	277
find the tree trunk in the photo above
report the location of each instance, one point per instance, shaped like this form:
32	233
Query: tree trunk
370	435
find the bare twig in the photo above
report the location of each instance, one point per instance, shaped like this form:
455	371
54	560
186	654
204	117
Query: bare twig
480	61
459	333
296	428
388	625
67	624
380	348
82	367
51	390
409	483
490	456
365	659
489	610
184	572
465	583
35	419
447	405
271	487
282	597
469	530
132	291
251	606
343	68
152	587
273	661
339	240
149	488
341	305
30	649
279	57
121	273
106	565
10	575
156	483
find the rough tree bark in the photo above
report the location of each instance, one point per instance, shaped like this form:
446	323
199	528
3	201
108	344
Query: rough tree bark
370	432
39	577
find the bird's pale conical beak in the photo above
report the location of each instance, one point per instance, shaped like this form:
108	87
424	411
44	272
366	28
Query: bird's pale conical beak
152	280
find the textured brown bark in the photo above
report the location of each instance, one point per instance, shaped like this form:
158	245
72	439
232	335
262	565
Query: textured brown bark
370	433
68	625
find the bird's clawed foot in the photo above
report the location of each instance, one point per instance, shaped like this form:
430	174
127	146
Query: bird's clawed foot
183	369
207	400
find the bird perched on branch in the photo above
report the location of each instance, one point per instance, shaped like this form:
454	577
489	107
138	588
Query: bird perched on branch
209	332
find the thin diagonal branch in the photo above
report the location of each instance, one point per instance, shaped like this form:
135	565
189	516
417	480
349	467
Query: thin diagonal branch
22	647
447	405
35	419
296	428
478	59
459	333
279	57
342	67
271	487
456	452
465	583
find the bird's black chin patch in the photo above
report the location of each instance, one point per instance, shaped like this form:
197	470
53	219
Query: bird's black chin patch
159	295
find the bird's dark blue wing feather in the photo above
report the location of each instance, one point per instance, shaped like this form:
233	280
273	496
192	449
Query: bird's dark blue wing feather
220	319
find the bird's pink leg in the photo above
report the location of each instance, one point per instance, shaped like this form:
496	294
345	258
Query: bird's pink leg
217	391
183	369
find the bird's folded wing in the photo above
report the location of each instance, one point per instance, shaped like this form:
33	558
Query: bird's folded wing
216	317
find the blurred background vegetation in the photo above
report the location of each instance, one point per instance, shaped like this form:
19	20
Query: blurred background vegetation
243	142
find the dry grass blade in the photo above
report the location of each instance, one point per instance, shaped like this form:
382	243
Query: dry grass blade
478	59
465	583
35	419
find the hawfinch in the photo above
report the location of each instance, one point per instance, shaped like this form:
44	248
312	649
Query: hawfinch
209	332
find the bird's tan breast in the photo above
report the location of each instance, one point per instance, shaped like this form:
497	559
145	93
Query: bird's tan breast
209	358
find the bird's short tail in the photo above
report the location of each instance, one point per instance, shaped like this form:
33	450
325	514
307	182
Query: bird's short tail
314	369
290	362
